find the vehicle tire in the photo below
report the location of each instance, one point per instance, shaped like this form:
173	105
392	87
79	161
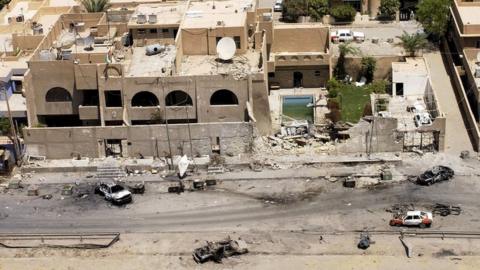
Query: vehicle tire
97	190
422	225
429	225
392	223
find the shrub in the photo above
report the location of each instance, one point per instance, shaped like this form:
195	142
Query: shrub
343	13
369	65
333	85
378	87
388	8
317	9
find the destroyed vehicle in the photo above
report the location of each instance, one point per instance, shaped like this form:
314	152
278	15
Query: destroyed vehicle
436	174
422	119
114	193
216	251
421	219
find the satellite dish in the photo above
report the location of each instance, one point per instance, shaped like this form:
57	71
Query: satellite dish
226	48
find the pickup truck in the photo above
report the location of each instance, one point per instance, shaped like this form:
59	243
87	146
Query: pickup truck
346	35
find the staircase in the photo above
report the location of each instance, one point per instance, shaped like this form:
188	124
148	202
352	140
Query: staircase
107	173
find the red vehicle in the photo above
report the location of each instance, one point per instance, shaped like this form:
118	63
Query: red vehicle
413	218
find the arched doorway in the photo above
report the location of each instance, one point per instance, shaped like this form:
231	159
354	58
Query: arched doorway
297	79
58	94
223	97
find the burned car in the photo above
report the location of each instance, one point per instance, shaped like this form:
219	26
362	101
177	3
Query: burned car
114	193
434	175
216	251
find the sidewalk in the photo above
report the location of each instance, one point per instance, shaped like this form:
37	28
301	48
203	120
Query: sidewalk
456	135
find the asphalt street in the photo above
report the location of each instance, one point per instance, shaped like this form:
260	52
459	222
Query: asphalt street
320	206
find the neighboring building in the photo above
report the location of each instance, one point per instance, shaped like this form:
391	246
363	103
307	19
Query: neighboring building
409	78
465	49
370	7
90	93
300	56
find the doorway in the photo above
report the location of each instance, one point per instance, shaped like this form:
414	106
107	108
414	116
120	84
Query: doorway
399	89
113	148
297	79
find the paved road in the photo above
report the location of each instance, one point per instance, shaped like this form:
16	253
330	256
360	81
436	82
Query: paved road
456	137
227	209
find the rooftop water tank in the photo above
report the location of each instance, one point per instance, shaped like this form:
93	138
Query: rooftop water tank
152	18
141	18
46	55
154	49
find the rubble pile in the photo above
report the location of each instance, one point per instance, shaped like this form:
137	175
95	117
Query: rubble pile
298	137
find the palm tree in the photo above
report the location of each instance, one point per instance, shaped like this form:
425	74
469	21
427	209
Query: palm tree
412	43
95	5
344	49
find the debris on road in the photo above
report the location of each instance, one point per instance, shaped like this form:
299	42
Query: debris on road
465	154
400	208
434	175
14	184
138	188
216	251
349	182
445	210
47	196
198	184
67	190
179	188
365	241
32	190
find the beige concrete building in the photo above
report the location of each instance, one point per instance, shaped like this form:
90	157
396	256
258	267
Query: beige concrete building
104	84
464	47
144	78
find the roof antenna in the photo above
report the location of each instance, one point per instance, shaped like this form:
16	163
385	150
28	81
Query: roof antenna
213	7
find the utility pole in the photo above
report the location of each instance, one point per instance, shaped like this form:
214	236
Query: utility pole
166	125
12	126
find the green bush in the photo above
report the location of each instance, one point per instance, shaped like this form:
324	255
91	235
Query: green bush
343	13
369	65
388	9
378	87
332	86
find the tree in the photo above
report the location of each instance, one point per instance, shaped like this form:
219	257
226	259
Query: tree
344	49
95	5
292	9
317	9
434	16
3	3
369	65
412	43
343	13
388	9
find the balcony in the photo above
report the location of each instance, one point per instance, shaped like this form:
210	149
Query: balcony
181	112
88	112
143	113
113	114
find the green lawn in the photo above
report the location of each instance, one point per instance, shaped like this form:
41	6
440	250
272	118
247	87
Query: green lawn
352	101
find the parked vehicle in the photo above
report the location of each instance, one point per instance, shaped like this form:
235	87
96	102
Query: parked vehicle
422	119
114	193
434	175
346	35
278	7
421	219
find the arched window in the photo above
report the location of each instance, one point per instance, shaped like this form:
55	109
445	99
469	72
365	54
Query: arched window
224	97
178	98
144	99
58	94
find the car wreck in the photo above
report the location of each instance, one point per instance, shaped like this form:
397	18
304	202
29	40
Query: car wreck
216	251
114	193
434	175
421	219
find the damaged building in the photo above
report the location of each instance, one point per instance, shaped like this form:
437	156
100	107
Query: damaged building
148	81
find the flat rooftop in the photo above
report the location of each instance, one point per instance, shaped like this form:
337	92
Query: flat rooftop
414	66
167	14
469	14
239	67
142	65
18	106
24	8
230	13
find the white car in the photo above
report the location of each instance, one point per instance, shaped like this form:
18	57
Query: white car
422	119
114	193
421	219
278	7
346	35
